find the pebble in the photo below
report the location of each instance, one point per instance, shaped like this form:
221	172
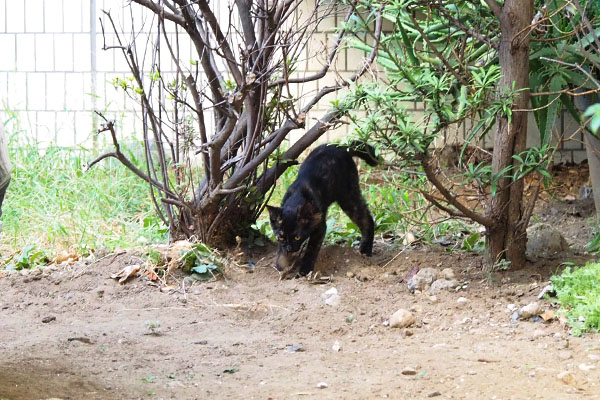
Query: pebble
443	284
402	319
566	377
512	307
462	300
434	394
45	320
448	273
530	310
564	355
409	371
594	357
336	346
322	385
586	367
350	274
331	296
423	279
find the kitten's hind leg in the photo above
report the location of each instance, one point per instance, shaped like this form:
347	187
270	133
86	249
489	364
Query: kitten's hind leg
356	208
312	248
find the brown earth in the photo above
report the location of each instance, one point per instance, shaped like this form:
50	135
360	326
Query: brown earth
70	332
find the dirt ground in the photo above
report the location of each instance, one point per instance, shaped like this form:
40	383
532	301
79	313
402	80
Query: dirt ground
71	332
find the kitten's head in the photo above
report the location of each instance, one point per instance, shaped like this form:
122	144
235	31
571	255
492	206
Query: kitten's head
293	225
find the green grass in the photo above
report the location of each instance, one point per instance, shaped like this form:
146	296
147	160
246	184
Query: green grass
578	293
54	204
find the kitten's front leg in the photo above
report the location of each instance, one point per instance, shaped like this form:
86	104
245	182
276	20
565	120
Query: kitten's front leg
312	248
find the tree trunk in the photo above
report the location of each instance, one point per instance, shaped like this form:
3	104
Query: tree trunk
507	236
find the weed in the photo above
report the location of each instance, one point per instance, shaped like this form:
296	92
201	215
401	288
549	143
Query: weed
28	258
578	293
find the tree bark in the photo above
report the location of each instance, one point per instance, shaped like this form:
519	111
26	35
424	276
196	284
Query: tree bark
507	237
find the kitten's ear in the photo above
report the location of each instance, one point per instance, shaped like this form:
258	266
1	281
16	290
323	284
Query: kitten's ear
274	212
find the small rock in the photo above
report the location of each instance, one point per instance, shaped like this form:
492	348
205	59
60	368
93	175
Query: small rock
423	279
594	357
532	374
462	300
443	284
433	299
530	310
333	300
472	372
336	346
50	318
543	240
566	377
448	273
512	307
565	355
69	296
586	367
322	385
434	394
331	297
293	348
402	319
409	371
350	274
406	333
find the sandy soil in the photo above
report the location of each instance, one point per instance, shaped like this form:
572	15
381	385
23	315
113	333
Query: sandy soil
236	338
71	332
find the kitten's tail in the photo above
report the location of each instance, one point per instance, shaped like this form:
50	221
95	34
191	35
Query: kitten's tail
363	150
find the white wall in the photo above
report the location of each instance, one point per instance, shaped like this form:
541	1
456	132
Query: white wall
54	73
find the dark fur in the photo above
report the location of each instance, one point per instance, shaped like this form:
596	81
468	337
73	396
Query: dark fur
327	175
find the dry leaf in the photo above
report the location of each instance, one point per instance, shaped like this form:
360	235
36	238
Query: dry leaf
547	315
65	256
151	275
168	288
126	273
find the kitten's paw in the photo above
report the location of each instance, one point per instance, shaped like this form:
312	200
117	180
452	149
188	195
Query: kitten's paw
367	250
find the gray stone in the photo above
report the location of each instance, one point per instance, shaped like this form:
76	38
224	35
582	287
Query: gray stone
423	279
544	241
410	371
448	273
530	310
402	319
443	284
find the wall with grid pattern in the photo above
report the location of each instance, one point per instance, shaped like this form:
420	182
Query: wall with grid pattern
54	73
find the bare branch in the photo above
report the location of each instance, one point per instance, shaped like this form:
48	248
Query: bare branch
495	7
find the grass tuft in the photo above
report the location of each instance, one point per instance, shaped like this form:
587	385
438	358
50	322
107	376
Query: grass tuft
578	293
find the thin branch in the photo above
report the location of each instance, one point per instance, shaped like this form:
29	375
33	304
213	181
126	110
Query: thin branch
495	7
451	199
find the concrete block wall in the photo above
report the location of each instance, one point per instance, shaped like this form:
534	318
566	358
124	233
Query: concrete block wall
54	73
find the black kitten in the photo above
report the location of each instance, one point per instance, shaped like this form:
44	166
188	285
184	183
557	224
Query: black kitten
328	175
